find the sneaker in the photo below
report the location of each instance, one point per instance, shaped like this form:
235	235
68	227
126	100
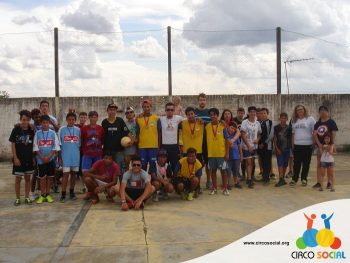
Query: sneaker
49	199
40	200
273	176
63	198
183	196
155	197
237	185
281	182
32	196
250	184
199	191
28	201
55	189
17	202
303	182
292	183
226	192
190	196
317	185
209	186
289	174
213	192
329	185
165	195
229	187
72	196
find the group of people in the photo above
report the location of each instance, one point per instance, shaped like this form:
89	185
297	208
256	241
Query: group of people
150	155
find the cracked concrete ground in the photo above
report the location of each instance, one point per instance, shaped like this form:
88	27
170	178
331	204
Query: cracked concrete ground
169	231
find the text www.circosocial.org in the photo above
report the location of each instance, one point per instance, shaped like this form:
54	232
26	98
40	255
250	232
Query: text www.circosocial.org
266	243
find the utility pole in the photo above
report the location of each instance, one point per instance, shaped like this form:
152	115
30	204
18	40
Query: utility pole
170	85
57	86
278	58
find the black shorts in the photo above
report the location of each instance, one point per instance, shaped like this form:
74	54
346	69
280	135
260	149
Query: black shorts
182	180
134	193
24	168
46	169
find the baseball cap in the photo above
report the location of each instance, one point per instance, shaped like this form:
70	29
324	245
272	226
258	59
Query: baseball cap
112	105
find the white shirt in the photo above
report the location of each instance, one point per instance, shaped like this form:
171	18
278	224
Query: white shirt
303	131
170	129
251	129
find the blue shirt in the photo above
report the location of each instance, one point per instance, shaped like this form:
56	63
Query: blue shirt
69	138
45	142
233	152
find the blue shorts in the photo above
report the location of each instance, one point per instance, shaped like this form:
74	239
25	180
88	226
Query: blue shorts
327	164
88	161
149	156
283	158
247	154
233	167
217	163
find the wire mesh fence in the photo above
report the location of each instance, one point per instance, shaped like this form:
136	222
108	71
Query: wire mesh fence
136	63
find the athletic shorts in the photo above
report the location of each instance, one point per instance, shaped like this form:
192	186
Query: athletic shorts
247	154
70	169
182	180
24	168
149	155
233	167
217	163
327	164
283	158
88	161
47	169
134	193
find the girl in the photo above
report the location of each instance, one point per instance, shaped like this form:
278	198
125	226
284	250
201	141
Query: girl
327	160
227	117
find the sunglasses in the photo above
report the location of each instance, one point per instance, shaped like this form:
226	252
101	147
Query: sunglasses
129	112
169	110
136	165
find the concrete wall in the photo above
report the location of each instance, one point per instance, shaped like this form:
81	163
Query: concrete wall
338	105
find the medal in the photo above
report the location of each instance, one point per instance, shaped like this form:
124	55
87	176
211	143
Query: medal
146	122
191	169
192	130
71	136
214	132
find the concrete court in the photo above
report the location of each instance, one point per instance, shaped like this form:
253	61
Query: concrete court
170	231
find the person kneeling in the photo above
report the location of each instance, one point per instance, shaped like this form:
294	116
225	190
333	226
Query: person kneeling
160	178
135	187
102	177
187	173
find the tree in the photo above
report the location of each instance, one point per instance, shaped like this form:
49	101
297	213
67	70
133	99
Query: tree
4	94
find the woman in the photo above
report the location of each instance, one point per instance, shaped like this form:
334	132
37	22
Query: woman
303	127
227	117
323	126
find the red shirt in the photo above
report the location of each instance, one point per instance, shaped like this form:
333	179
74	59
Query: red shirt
109	171
92	140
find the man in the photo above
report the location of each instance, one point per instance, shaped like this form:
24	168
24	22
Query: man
265	144
147	137
168	130
187	172
44	110
115	129
135	187
202	113
83	116
191	135
130	122
102	177
217	150
240	117
250	131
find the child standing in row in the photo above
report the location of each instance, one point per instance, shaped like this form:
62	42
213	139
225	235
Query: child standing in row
327	160
21	139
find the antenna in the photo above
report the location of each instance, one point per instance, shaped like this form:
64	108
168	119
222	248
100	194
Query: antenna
290	61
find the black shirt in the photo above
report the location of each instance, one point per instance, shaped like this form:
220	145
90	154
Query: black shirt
114	132
23	140
283	136
323	127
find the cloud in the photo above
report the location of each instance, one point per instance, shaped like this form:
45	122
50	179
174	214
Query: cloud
25	19
148	48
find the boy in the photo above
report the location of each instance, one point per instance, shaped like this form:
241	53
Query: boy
21	139
69	156
45	146
161	178
130	122
102	177
82	119
283	143
234	154
92	137
216	150
250	132
186	175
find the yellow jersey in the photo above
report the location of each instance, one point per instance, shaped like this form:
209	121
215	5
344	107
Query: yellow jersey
187	170
215	140
148	131
191	135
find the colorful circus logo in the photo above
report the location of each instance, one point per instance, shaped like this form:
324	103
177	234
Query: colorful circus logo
323	237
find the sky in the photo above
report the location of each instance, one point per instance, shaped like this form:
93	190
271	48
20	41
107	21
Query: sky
119	48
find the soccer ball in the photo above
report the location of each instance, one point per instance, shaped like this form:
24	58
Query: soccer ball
125	142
